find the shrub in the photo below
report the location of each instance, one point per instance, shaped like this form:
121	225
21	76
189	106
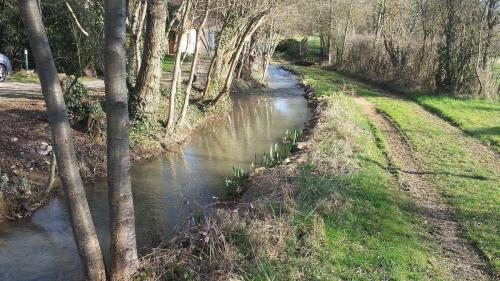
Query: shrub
83	110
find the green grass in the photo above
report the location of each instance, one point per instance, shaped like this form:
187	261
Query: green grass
322	82
168	63
24	77
314	48
375	233
478	118
470	185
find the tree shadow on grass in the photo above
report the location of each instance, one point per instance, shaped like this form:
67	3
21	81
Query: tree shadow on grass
396	169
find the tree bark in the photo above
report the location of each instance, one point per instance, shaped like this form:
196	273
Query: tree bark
330	34
251	28
194	64
341	59
147	91
137	15
79	212
123	261
491	21
177	66
52	177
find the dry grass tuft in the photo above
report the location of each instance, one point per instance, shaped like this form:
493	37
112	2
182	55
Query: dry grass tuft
333	146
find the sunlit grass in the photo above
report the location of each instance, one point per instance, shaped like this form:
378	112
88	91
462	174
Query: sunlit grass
168	63
478	118
24	77
471	186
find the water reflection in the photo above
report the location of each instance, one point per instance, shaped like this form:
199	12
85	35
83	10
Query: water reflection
166	189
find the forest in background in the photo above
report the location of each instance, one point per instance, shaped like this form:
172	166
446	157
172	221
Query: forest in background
445	46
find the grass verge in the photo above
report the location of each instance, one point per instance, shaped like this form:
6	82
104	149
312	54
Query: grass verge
24	77
478	118
467	180
466	175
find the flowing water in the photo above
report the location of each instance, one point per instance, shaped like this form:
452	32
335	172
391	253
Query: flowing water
166	189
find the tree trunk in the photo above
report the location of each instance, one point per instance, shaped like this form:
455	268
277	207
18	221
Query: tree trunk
330	34
52	177
193	65
123	261
177	67
252	27
135	32
147	91
341	59
491	22
81	220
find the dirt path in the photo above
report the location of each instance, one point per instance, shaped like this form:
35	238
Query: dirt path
20	91
464	261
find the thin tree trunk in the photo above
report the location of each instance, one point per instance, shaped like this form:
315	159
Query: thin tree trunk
52	176
213	63
271	46
193	65
123	262
330	34
491	22
147	91
246	51
345	33
380	22
140	29
81	220
177	67
169	26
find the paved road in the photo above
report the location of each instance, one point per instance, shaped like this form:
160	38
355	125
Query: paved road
28	91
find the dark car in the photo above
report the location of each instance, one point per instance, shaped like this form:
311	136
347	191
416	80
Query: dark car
5	67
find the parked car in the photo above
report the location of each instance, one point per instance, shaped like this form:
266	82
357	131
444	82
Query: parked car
5	67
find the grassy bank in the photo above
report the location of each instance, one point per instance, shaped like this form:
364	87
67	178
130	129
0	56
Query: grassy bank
478	118
370	229
335	212
465	173
468	180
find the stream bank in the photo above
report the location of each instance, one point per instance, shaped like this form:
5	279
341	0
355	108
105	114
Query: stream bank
27	150
238	236
167	189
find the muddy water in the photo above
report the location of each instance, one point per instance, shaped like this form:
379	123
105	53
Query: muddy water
166	189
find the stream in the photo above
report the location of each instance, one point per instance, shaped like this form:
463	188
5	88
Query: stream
166	189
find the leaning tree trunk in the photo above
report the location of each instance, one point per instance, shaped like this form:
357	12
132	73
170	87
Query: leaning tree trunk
81	220
251	28
123	261
177	67
193	65
147	91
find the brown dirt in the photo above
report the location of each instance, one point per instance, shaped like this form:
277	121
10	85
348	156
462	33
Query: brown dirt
24	127
464	261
